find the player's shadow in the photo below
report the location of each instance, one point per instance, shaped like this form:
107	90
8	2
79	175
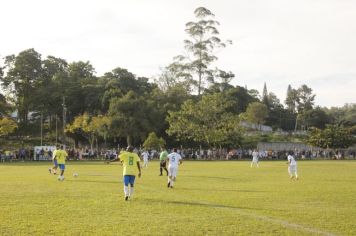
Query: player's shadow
223	190
208	177
94	181
202	204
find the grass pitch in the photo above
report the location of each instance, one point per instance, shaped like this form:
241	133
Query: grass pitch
209	198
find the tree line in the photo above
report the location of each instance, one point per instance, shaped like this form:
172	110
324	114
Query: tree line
190	103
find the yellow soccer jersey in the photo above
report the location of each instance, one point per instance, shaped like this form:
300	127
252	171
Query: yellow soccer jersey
61	156
129	162
55	154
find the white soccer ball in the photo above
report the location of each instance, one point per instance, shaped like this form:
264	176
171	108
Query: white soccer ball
75	174
60	178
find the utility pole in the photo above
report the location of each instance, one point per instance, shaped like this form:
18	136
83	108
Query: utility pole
56	130
41	127
64	120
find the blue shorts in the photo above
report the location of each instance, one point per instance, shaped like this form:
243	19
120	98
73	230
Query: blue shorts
55	162
129	179
62	166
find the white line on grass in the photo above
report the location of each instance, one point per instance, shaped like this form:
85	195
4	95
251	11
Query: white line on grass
273	220
253	215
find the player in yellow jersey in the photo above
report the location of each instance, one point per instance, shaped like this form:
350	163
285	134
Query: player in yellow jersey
61	156
130	161
55	163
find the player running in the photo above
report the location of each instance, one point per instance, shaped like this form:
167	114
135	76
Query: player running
130	161
61	156
144	156
55	163
163	161
174	160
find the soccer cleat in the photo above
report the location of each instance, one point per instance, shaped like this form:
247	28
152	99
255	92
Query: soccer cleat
169	184
126	198
160	175
50	170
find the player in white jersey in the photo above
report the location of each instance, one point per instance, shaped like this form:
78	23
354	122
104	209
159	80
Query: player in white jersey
144	156
254	158
174	160
292	166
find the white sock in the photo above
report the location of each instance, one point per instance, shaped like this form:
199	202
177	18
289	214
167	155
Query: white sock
172	183
131	191
126	190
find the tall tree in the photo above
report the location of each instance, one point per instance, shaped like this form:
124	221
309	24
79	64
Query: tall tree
291	99
206	122
265	95
131	117
22	72
195	65
257	113
306	98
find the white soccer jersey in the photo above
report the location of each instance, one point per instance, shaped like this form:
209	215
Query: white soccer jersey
145	156
255	156
173	159
291	160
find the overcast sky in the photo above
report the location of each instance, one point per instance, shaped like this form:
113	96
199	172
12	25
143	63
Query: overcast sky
279	42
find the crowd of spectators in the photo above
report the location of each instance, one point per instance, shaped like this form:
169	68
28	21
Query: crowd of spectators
28	154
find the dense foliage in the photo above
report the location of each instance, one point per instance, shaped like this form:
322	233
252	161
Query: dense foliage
190	103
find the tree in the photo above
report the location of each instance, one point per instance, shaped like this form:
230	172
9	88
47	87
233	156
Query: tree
5	107
333	136
306	98
316	118
291	99
7	126
89	126
345	115
131	116
206	121
22	72
119	82
275	111
305	103
256	113
265	99
194	67
153	142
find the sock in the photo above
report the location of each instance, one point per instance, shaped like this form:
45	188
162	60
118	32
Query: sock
131	191
126	190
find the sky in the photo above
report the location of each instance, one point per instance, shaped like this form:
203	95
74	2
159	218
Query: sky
277	42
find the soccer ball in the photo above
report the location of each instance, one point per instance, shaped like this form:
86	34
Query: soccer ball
60	178
75	174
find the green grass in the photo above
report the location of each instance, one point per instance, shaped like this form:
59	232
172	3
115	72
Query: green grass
209	198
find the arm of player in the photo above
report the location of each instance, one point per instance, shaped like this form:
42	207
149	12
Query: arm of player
139	169
114	160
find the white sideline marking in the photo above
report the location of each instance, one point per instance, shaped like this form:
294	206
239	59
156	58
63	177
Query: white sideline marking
256	216
272	220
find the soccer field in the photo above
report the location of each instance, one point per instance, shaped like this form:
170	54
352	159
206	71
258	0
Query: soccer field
209	198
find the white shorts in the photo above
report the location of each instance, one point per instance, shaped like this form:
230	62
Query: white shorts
255	159
292	169
172	171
